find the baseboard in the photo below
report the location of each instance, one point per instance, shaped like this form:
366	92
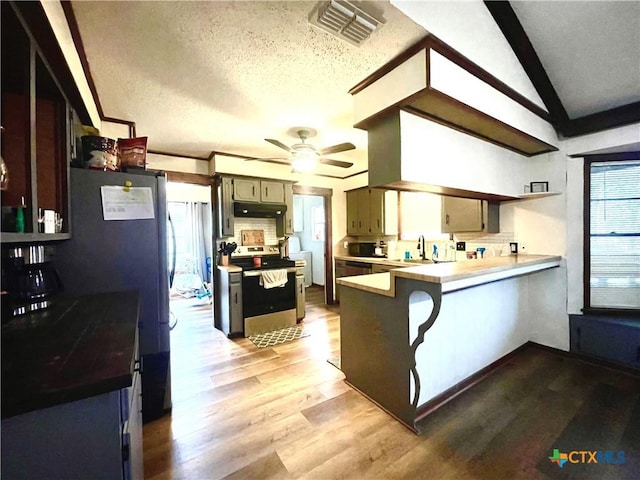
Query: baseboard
598	361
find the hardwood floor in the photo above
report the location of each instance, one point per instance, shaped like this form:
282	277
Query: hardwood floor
285	412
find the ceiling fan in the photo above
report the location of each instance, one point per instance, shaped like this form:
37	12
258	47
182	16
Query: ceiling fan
304	156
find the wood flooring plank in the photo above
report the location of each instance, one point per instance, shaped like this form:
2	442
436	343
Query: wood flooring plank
229	457
285	412
598	425
267	468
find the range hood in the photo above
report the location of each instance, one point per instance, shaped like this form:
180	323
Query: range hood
259	210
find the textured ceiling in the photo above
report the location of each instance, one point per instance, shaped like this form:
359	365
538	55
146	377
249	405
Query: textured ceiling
203	76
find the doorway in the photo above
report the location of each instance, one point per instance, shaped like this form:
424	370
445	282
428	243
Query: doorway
190	247
315	233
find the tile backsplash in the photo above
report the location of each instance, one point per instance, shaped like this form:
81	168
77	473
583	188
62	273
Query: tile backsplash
496	244
266	224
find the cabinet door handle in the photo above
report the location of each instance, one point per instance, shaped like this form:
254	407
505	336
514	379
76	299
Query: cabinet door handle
253	191
447	219
228	222
266	191
235	298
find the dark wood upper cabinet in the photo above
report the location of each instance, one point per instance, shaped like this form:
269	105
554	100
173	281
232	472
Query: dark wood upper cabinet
35	139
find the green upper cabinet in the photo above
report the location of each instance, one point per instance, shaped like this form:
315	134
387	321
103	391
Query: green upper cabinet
226	218
469	215
289	214
256	190
272	192
372	211
246	190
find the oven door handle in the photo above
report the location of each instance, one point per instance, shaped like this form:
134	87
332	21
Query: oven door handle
256	273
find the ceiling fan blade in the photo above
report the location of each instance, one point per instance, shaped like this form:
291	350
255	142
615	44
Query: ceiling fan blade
335	163
278	160
340	147
278	143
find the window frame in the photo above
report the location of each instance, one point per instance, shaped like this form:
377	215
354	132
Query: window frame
589	160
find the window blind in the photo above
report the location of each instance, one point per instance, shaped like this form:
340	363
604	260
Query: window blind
615	235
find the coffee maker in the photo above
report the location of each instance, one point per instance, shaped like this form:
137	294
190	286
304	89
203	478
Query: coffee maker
29	280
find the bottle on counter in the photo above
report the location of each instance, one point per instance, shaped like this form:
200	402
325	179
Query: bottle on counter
20	216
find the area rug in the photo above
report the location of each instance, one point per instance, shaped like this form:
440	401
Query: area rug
277	337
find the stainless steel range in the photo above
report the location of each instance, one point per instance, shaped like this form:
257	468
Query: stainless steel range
266	307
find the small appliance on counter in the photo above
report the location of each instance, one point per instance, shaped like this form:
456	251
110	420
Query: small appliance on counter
367	249
30	281
362	249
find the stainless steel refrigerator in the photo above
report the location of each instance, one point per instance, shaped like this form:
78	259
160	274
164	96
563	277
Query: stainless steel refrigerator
117	255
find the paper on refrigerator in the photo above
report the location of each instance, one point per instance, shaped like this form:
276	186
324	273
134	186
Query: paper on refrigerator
133	203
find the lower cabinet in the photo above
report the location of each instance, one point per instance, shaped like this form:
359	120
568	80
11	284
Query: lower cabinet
98	437
340	271
133	464
613	339
300	294
231	320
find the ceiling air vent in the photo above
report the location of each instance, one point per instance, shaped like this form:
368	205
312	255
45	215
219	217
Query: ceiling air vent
344	20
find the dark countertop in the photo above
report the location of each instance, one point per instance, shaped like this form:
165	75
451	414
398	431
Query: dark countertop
78	348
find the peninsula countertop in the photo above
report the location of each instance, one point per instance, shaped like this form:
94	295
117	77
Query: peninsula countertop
451	275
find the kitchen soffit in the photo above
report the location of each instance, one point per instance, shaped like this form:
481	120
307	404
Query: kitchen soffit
440	107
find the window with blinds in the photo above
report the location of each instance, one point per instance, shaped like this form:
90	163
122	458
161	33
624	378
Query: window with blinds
614	235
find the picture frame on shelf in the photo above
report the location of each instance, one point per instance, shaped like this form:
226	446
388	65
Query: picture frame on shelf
539	187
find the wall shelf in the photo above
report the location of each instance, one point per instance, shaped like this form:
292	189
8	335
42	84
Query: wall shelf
9	237
531	196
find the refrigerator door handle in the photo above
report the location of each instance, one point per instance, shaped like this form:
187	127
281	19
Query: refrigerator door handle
172	272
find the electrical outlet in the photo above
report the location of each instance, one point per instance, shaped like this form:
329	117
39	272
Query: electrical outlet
345	244
461	246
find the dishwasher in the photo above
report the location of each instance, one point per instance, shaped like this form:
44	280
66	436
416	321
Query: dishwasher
356	268
349	268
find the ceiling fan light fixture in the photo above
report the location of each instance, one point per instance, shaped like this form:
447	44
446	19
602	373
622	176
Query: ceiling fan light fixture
304	163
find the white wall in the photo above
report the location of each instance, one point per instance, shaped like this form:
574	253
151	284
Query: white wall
186	192
177	164
439	155
114	130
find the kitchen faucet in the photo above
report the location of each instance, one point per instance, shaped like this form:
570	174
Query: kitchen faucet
423	253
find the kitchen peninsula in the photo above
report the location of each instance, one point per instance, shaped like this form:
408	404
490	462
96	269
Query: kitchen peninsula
412	336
